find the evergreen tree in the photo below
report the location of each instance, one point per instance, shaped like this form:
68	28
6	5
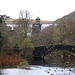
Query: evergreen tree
0	34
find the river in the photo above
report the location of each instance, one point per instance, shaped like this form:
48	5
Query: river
54	65
44	69
38	70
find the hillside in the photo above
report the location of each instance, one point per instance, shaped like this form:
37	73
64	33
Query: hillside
44	22
9	58
14	21
67	18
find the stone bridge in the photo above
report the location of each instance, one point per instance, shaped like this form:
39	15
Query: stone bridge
42	51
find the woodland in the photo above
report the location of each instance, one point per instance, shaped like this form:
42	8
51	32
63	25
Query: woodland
62	31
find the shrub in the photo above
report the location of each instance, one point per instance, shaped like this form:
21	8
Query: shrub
27	49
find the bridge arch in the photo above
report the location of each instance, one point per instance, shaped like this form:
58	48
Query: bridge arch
42	51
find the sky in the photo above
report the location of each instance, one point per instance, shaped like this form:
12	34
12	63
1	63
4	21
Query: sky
45	9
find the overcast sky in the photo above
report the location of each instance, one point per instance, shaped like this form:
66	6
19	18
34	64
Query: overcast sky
45	9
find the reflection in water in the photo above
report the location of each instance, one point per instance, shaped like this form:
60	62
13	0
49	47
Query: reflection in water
61	58
57	58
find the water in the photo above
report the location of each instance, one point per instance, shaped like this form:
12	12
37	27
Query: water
38	70
50	66
45	25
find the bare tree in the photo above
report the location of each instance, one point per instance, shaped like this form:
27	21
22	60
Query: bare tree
23	24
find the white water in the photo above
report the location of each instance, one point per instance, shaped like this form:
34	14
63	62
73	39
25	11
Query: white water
39	70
